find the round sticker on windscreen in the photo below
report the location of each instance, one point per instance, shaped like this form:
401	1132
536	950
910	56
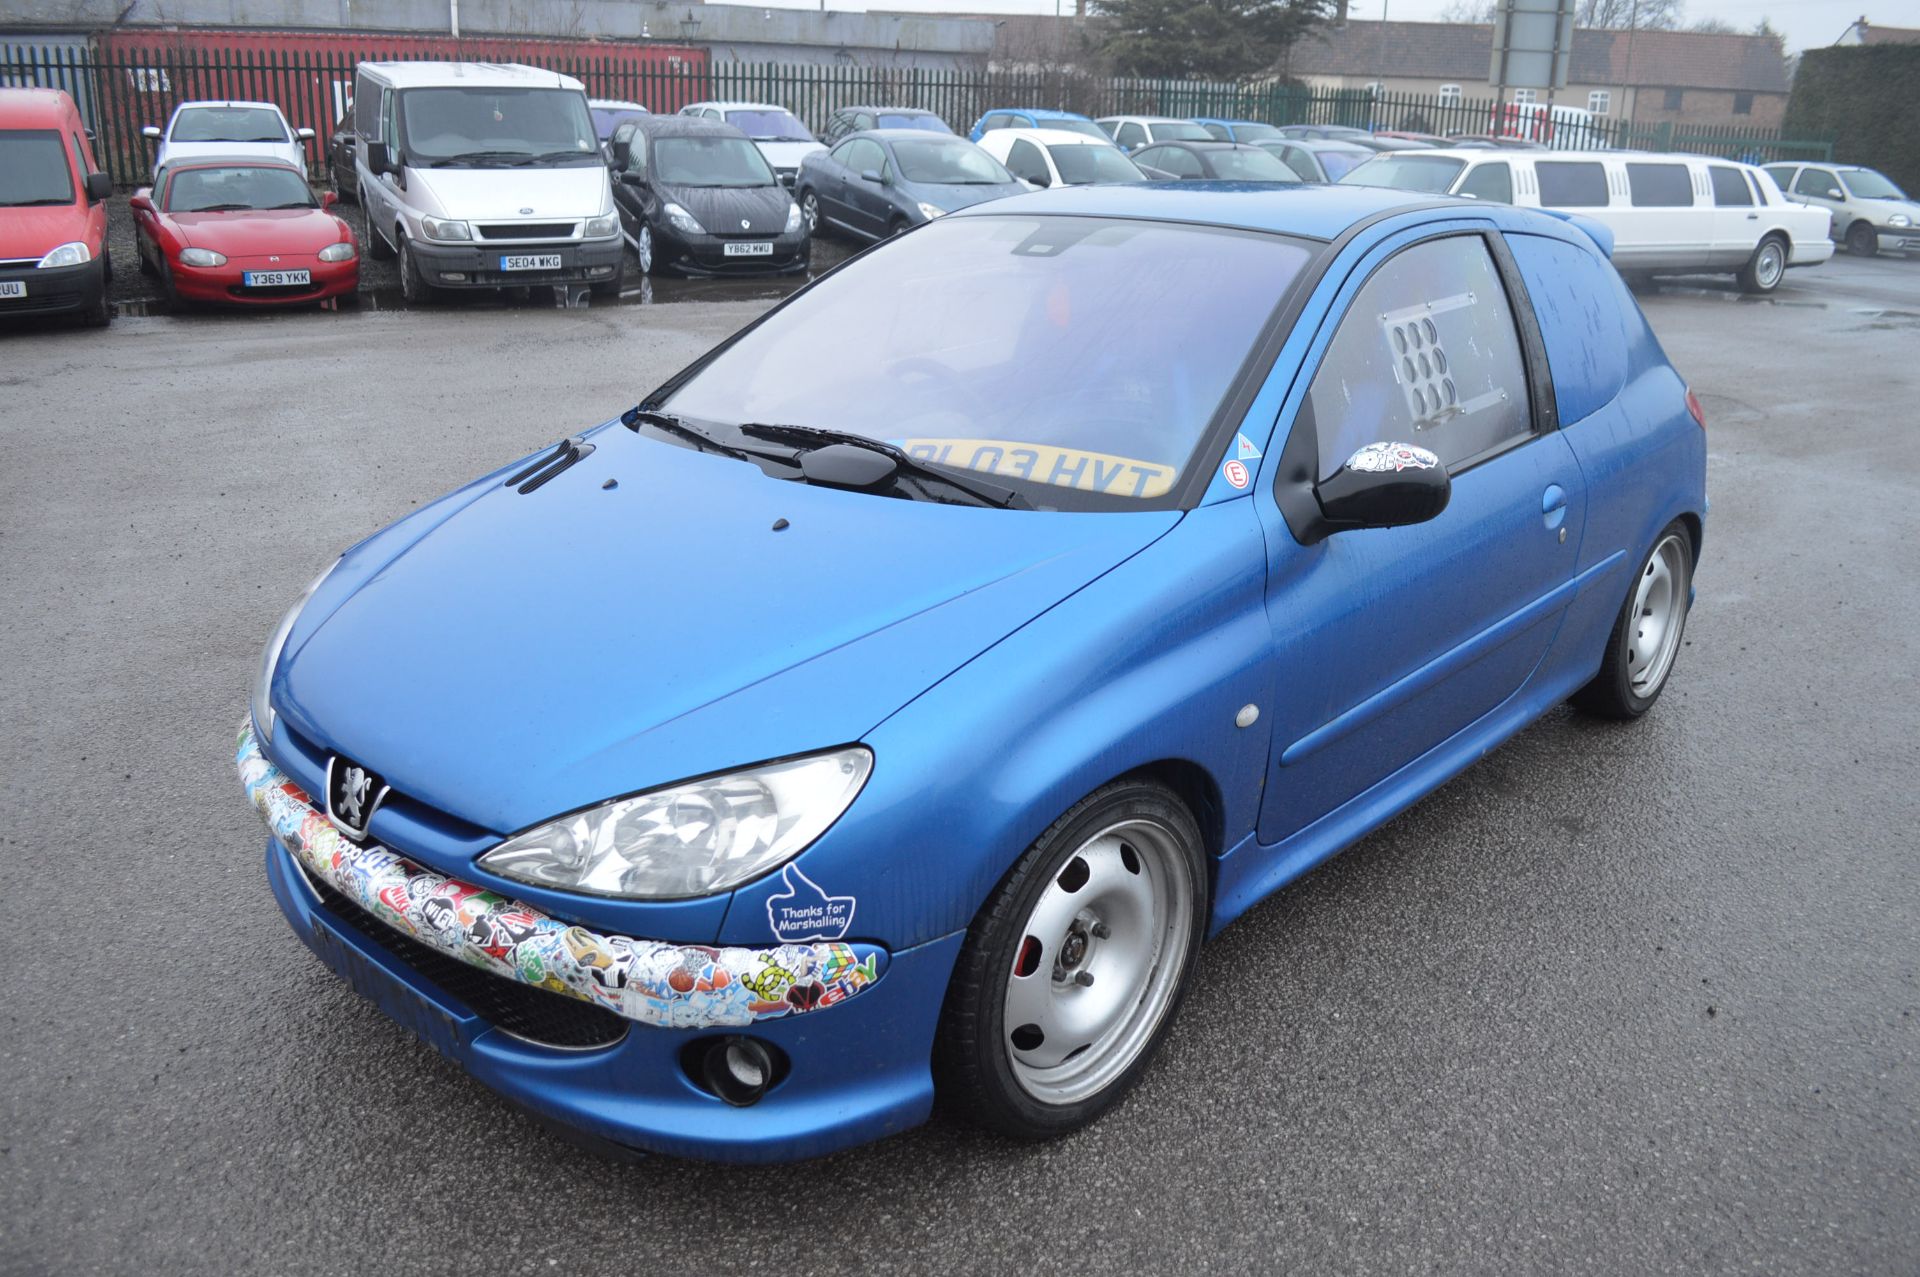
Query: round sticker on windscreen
1236	472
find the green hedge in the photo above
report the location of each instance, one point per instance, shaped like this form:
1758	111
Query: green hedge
1864	97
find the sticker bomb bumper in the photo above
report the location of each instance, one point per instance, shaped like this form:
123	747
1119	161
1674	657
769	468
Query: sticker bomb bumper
647	981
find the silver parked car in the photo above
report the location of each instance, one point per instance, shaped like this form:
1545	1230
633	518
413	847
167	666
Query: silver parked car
1870	213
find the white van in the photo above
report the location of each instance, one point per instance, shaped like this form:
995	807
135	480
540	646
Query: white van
483	175
1669	214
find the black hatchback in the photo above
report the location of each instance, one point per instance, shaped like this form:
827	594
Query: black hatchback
696	196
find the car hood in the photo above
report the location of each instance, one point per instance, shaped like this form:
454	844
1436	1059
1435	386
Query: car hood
788	154
36	231
511	194
639	620
261	231
961	196
734	210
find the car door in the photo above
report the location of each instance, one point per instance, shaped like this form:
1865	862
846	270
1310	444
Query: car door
1388	641
633	193
1736	221
856	201
1820	187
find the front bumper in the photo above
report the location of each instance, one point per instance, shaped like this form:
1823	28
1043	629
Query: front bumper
855	1075
707	254
62	290
477	264
224	285
1899	239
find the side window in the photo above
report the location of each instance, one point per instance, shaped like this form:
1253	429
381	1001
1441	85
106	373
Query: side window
862	121
366	100
1660	185
864	154
1782	175
1491	182
1729	187
389	129
1818	183
1427	354
1588	321
1565	184
1130	135
79	159
1301	162
998	120
1025	160
636	149
1184	163
1218	132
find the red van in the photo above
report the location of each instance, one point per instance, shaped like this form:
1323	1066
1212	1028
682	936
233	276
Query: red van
53	210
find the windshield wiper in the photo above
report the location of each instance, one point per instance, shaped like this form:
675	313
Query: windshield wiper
702	440
50	199
475	157
219	208
820	437
547	157
278	206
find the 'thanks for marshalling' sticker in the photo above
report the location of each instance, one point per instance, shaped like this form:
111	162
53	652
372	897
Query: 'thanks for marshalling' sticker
804	912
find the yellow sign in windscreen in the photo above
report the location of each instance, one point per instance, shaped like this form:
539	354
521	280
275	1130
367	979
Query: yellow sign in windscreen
1044	463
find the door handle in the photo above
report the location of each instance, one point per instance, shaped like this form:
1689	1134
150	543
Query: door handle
1553	506
1753	217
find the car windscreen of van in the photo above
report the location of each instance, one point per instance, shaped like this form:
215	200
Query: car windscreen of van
1571	183
33	169
1432	174
480	127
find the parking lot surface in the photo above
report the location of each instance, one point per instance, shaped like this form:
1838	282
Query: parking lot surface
1617	1000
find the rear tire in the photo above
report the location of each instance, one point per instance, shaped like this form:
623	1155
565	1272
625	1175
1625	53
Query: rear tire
1766	268
1863	240
1072	971
1647	634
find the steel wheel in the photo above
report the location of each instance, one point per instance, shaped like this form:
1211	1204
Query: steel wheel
810	212
643	248
1100	962
1862	239
1658	616
1768	265
413	289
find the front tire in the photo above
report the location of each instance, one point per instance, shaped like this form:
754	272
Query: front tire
414	289
1646	635
1071	973
610	288
643	248
810	213
1863	240
1766	268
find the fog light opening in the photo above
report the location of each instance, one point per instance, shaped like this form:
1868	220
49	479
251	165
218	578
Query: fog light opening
454	276
739	1070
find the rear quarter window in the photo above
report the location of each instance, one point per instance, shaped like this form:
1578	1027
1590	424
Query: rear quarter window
1588	321
1572	184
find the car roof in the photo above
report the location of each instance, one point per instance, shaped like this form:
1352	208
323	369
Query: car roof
1148	119
682	126
222	102
1315	210
33	107
738	106
1037	112
890	110
1211	144
1048	137
1320	144
913	135
1221	119
477	75
615	104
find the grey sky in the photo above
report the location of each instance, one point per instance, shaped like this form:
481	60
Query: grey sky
1805	23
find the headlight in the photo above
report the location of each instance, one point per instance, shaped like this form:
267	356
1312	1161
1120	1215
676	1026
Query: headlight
931	211
437	229
601	227
202	257
270	659
1899	219
75	254
341	252
793	218
692	839
682	220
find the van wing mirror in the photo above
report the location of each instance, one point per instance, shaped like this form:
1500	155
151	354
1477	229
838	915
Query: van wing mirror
378	159
1384	485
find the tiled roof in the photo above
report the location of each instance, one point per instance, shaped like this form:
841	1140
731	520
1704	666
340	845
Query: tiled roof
1464	52
1870	34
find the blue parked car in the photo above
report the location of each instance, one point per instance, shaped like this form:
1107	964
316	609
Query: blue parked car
1032	117
885	181
1236	130
830	729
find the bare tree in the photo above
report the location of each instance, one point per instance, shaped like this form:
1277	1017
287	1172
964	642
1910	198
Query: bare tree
1480	11
1619	15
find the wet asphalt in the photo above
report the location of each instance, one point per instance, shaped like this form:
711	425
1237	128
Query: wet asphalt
1617	1000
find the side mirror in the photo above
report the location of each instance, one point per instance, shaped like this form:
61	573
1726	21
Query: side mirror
1833	193
140	204
1040	180
1384	485
378	159
305	135
99	187
633	179
871	175
618	153
328	199
150	131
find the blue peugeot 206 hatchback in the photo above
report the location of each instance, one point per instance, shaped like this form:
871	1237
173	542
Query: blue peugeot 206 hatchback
829	733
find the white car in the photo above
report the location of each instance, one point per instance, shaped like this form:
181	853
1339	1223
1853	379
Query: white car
1669	214
774	129
1131	132
229	129
1055	157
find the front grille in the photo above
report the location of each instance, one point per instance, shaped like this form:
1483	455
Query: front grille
277	290
550	1019
527	230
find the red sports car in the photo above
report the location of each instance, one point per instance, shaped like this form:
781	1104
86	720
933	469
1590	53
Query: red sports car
243	231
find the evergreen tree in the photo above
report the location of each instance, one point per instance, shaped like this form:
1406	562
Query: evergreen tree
1204	39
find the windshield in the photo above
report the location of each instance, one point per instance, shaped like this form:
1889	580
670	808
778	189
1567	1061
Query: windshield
1253	132
1433	174
1179	131
608	118
1249	166
954	163
202	190
1340	162
1084	353
229	124
1866	184
1081	165
33	168
710	161
476	127
929	123
769	126
1075	126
